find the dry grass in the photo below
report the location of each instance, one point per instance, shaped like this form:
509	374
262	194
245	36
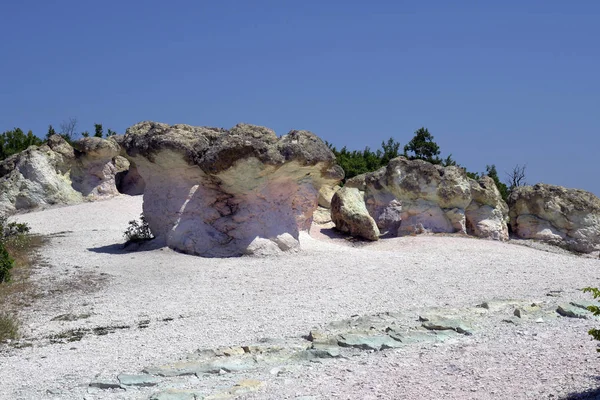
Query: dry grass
19	291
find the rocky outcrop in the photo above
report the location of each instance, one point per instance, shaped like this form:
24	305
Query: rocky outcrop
38	176
566	217
414	196
218	193
349	214
95	167
486	215
56	173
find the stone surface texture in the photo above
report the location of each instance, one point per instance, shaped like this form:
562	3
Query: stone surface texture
57	173
218	193
349	214
566	217
414	196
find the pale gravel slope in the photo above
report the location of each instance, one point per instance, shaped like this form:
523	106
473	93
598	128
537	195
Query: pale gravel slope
217	302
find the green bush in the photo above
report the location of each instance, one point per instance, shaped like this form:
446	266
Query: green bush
595	333
6	263
138	231
9	327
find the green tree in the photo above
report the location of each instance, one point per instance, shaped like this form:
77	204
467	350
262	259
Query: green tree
110	133
390	150
85	134
422	147
15	141
6	264
595	333
51	132
98	132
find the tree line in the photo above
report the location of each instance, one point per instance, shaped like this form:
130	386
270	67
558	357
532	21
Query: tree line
15	140
421	147
354	162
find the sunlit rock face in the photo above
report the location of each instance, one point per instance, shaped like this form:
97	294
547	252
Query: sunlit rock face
220	193
56	173
566	217
414	196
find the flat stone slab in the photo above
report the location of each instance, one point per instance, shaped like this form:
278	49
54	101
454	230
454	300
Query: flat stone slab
368	342
443	323
584	304
102	384
199	367
570	311
139	380
177	394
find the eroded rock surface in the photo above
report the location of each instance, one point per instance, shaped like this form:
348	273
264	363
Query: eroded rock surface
414	196
349	214
56	173
218	193
566	217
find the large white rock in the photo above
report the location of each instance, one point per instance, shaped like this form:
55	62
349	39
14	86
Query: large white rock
487	215
219	193
414	196
566	217
350	215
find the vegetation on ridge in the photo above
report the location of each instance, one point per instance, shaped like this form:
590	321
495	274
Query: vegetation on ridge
421	147
15	141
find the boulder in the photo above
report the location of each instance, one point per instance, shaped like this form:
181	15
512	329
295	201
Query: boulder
38	176
219	193
566	217
95	167
487	215
414	196
349	214
57	173
326	194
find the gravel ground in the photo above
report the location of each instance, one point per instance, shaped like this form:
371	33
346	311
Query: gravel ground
174	304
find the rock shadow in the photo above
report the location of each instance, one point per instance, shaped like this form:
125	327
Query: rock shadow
127	248
590	394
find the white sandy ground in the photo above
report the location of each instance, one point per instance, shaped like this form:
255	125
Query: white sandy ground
217	302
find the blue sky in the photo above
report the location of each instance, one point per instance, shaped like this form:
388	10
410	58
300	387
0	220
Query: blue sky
503	82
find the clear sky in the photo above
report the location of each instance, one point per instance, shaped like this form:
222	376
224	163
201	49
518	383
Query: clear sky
496	82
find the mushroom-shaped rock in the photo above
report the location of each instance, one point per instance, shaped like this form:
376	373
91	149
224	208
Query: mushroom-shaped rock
220	193
566	217
413	196
349	214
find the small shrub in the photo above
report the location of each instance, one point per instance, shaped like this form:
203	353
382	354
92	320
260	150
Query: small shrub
8	229
138	231
15	229
9	327
6	263
595	333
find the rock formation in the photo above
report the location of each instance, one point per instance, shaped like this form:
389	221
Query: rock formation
414	196
349	214
566	217
217	193
56	173
326	194
486	215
